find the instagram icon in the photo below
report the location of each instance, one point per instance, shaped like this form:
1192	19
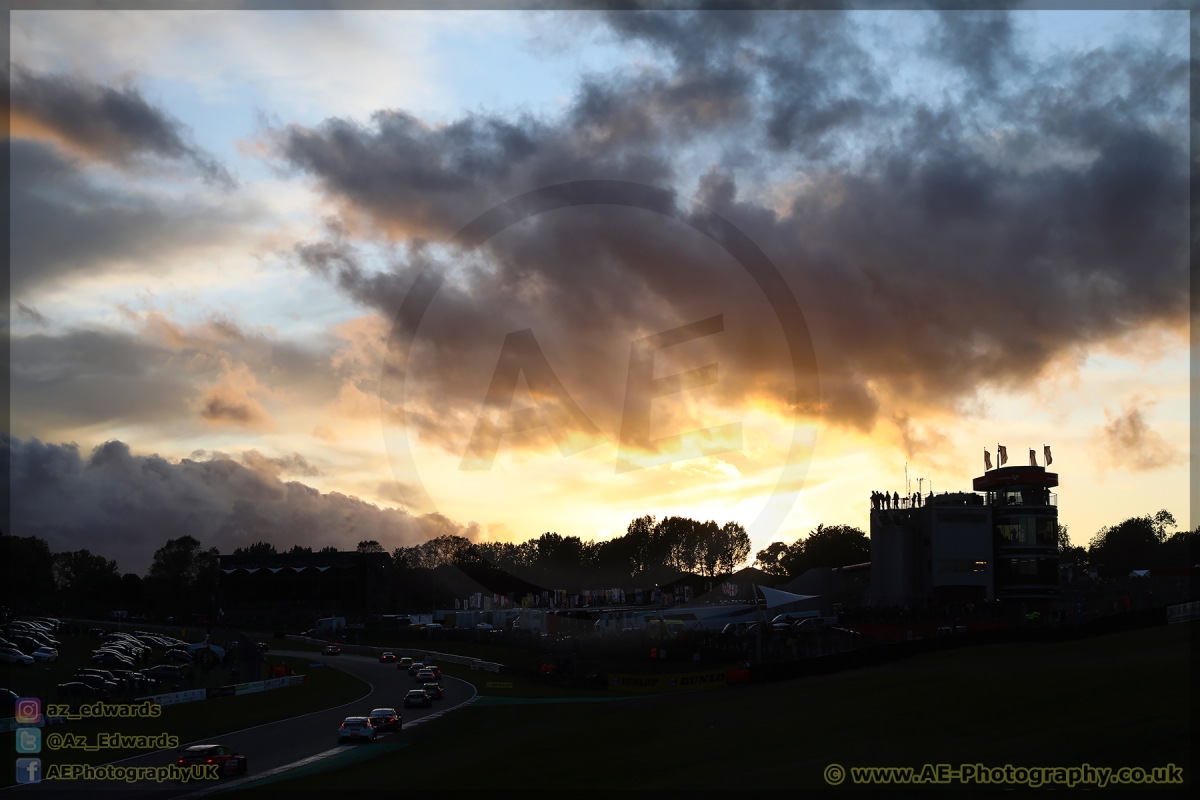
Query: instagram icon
29	710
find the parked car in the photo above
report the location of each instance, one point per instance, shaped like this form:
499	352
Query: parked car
355	729
231	761
134	680
46	655
262	647
179	656
434	690
12	655
331	650
387	658
97	682
109	659
42	639
385	719
80	689
24	644
417	697
168	672
8	703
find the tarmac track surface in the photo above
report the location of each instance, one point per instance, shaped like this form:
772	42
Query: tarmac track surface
277	744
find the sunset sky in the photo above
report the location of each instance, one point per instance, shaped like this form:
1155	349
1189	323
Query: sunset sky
216	216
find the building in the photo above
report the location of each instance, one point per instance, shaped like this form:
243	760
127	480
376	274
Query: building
305	585
997	543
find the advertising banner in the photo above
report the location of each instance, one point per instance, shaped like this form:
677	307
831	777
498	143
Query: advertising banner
175	698
1184	612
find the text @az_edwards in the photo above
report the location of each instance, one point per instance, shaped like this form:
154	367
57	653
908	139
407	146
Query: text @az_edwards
112	772
1033	777
111	741
142	710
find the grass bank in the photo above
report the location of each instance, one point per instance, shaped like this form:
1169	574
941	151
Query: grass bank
1118	700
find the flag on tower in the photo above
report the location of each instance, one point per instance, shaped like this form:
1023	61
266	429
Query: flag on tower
1002	454
987	460
1049	460
1032	457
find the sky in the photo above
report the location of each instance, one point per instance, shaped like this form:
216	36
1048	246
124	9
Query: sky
246	303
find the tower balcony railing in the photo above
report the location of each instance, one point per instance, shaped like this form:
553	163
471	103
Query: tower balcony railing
1022	497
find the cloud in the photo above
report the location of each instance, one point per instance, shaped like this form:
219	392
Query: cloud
66	225
113	124
160	372
936	248
125	506
31	314
980	43
294	464
1128	442
234	400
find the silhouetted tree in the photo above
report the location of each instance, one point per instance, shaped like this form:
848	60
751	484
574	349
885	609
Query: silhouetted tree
183	576
1133	544
28	572
770	559
256	549
86	582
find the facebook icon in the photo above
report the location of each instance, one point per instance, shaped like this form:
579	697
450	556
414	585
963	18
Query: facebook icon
29	770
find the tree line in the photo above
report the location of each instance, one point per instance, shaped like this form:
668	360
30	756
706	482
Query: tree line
649	551
1145	542
183	576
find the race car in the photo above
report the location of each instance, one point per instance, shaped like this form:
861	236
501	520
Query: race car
231	761
355	729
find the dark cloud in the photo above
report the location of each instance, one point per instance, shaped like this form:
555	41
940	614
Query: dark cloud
933	255
980	43
1127	441
159	373
31	314
63	225
294	464
125	506
114	124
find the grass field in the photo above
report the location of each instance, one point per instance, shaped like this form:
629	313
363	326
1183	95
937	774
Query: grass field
1119	700
324	687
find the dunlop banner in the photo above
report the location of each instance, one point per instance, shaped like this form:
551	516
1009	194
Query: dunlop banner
667	683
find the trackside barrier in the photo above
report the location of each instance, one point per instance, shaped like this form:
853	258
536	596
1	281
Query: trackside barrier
193	695
175	698
1184	612
362	649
